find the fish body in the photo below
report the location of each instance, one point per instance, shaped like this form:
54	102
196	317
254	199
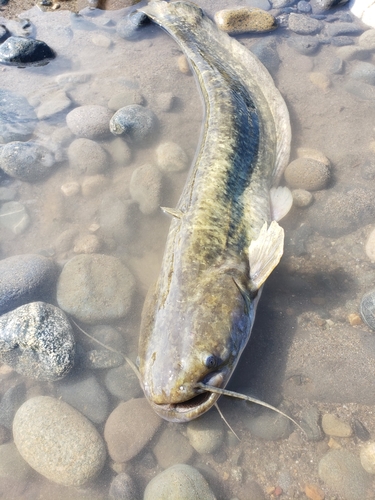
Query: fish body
197	319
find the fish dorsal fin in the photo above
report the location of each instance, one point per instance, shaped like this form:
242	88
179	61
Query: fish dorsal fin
172	211
265	252
281	202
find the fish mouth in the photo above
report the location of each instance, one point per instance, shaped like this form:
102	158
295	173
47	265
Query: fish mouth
186	410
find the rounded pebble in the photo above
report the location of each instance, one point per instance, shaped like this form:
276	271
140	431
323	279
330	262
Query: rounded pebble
320	80
145	187
89	121
122	383
313	154
129	26
102	359
88	243
123	487
25	278
179	481
304	25
308	174
244	20
58	442
343	473
364	71
206	434
333	426
95	288
302	198
171	157
130	419
37	341
270	426
87	157
367	457
135	122
305	45
183	65
367	40
70	189
92	185
120	152
125	98
367	309
114	218
26	161
10	402
310	423
172	448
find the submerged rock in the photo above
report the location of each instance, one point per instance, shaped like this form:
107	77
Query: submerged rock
90	121
304	25
123	487
95	288
87	157
58	442
179	481
25	278
27	161
134	122
17	117
245	20
37	341
21	51
145	186
14	216
308	174
367	309
129	26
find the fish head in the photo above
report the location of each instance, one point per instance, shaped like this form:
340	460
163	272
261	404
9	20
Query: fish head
194	336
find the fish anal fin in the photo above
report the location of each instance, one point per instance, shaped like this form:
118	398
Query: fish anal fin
172	211
281	200
265	253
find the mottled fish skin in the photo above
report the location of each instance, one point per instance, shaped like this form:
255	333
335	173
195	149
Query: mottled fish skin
198	318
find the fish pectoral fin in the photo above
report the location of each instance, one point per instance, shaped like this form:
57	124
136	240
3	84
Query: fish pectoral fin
281	202
172	211
265	252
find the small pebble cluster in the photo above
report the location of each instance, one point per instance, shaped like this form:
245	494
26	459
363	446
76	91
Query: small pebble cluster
72	410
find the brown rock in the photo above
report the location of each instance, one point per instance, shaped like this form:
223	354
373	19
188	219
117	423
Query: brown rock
244	20
129	428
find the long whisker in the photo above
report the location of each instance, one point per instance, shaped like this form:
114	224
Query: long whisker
232	394
128	360
226	421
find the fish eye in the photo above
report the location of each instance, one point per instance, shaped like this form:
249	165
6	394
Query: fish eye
211	361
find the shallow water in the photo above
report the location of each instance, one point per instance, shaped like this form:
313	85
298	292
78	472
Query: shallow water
303	352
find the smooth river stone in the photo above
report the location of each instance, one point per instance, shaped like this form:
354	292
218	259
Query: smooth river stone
95	288
245	20
20	51
37	340
25	278
129	428
26	161
58	442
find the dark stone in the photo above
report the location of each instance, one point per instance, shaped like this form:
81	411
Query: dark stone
37	341
11	401
20	51
26	161
128	27
123	487
134	122
305	45
367	309
17	117
4	33
324	5
25	278
360	430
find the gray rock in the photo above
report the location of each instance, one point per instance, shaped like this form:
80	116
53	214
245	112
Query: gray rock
124	423
170	157
86	395
87	157
145	187
367	39
17	117
307	173
58	442
259	4
339	213
266	51
341	41
95	288
179	481
102	359
336	66
129	26
367	309
11	401
27	161
333	426
172	448
134	122
367	456
25	278
20	51
335	29
365	72
165	100
206	434
108	336
114	215
310	423
360	89
123	487
304	7
305	45
351	53
304	25
342	472
324	5
14	216
269	426
12	465
122	383
37	341
90	121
